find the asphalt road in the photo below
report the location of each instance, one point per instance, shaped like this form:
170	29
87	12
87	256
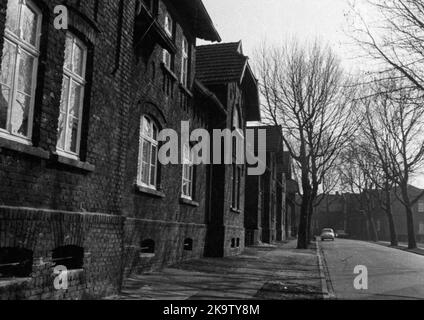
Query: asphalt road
392	274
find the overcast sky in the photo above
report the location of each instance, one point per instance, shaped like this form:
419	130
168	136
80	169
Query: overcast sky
275	21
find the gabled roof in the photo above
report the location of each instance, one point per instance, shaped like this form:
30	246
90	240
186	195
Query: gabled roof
220	63
225	63
199	16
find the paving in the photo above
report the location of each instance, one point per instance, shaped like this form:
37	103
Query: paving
279	272
391	274
404	246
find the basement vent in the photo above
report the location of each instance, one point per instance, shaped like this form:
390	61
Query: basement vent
71	257
15	263
148	246
188	244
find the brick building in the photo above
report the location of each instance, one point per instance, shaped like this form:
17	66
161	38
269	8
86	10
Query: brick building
266	217
80	113
225	71
346	212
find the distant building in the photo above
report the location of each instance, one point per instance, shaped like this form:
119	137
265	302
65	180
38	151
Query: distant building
344	212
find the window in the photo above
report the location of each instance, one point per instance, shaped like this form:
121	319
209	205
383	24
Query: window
169	25
421	206
71	257
169	29
184	63
71	103
15	262
188	173
188	244
167	59
19	69
233	242
148	157
148	246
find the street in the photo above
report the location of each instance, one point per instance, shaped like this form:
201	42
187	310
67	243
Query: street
392	273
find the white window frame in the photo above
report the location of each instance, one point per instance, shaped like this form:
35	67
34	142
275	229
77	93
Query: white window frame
153	143
188	173
184	62
169	25
167	59
34	51
81	81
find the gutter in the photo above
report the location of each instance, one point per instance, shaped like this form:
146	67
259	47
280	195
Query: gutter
211	96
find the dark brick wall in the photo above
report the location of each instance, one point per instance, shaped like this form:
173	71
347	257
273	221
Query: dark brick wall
226	225
34	177
165	220
29	181
42	231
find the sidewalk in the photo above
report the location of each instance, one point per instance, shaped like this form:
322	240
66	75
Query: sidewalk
404	246
279	272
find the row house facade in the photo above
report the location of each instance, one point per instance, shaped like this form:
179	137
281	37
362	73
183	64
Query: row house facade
81	113
267	218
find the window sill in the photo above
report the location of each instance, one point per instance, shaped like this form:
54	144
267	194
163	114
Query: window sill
151	192
23	148
84	166
147	255
185	90
189	202
169	71
4	283
238	211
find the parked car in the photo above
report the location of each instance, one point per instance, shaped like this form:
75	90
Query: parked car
328	234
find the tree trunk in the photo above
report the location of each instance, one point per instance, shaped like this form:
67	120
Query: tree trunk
308	229
373	230
412	242
393	236
302	241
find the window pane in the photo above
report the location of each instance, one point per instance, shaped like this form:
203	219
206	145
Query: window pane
68	52
153	175
20	111
145	158
78	61
185	188
29	25
145	173
153	166
61	131
26	68
4	105
75	101
12	20
65	94
8	64
72	134
147	128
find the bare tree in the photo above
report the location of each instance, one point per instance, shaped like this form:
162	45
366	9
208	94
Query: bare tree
354	170
393	36
305	91
394	122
